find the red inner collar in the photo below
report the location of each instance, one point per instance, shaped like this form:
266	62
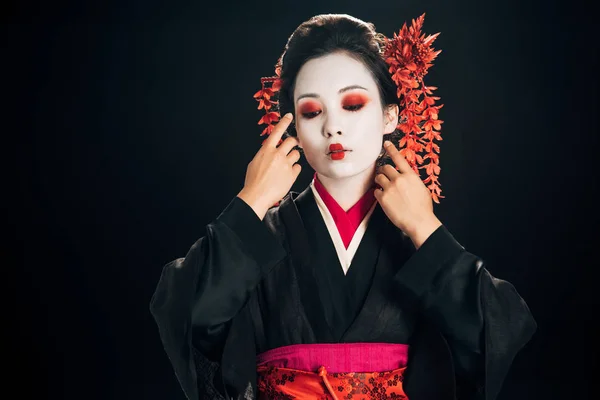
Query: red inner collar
346	221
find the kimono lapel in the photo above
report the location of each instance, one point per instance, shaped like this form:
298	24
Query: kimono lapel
302	260
332	301
373	300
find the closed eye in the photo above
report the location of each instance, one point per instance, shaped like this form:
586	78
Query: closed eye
310	109
312	114
354	101
354	107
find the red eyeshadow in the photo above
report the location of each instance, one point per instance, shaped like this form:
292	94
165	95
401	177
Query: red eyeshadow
309	107
355	99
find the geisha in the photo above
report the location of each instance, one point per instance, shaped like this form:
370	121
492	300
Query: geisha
352	288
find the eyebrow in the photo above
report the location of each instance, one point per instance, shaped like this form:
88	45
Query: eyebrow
347	88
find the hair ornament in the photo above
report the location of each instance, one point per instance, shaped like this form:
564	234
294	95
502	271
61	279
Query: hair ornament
409	54
265	97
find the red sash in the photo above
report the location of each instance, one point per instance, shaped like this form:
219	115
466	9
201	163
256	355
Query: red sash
287	383
290	372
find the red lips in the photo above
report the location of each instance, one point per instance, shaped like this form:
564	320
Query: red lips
336	147
337	151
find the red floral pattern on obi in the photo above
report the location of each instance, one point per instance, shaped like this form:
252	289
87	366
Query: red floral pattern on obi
287	384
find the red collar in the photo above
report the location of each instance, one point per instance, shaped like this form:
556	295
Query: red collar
346	221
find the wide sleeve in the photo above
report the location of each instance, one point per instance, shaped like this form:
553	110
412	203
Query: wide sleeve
197	296
484	320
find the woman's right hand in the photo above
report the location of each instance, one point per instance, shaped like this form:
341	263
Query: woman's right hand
273	170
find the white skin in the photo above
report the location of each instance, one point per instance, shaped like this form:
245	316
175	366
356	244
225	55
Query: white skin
332	89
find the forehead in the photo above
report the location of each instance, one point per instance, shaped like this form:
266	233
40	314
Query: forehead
328	74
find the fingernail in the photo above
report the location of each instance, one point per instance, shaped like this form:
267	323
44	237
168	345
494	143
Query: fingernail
387	143
288	116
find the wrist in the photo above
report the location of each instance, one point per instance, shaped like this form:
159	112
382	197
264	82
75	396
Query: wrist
421	232
254	202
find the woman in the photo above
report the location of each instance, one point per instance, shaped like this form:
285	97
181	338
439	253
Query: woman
352	288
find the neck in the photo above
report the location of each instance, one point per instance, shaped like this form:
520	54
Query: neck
347	191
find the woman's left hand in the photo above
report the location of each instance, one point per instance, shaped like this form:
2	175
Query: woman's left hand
405	199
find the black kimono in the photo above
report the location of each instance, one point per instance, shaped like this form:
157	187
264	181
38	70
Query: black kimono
249	286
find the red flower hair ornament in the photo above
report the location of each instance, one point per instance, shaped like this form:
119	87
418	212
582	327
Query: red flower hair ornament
409	54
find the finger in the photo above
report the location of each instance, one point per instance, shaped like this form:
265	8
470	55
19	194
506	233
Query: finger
378	193
278	130
288	144
296	168
396	157
294	156
382	180
389	171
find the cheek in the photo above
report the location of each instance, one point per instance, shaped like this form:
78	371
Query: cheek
308	134
370	127
312	147
369	137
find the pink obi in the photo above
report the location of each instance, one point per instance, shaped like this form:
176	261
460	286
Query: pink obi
338	357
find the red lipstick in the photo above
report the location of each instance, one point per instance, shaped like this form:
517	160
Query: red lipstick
337	151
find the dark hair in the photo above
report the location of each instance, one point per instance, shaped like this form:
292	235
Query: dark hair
329	33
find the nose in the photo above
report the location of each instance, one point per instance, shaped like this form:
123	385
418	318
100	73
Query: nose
330	134
332	126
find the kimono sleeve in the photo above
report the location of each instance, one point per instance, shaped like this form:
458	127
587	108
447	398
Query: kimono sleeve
484	319
197	296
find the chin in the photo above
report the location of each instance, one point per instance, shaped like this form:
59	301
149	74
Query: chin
342	170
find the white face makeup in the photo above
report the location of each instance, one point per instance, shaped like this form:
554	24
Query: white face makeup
337	103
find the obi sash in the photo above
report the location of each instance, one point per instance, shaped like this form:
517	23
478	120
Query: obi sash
357	371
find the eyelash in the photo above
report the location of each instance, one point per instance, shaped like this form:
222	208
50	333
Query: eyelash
351	108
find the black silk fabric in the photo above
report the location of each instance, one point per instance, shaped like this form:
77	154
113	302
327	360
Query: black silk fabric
248	286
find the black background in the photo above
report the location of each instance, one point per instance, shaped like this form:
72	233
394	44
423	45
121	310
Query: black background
133	122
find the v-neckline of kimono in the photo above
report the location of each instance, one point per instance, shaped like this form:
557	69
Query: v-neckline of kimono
301	249
345	254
